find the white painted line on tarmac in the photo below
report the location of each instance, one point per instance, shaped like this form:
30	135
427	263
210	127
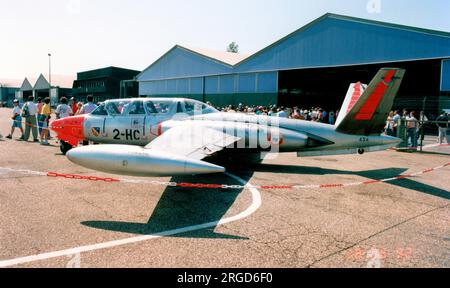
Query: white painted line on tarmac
256	203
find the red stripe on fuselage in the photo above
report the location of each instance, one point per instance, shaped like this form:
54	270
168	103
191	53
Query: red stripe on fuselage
159	129
371	105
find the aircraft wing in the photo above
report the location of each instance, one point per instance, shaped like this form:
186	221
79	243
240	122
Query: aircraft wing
195	142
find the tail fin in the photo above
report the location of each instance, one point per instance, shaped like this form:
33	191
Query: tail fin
367	111
353	94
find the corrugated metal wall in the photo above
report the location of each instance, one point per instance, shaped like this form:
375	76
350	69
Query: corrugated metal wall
224	84
334	42
172	87
181	63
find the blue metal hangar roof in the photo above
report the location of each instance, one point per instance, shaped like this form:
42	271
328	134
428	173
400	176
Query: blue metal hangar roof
331	40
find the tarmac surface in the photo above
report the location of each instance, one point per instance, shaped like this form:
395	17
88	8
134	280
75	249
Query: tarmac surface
57	222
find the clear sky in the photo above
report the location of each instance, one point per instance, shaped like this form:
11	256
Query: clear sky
89	34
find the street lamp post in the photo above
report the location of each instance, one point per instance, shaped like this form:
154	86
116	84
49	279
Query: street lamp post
50	73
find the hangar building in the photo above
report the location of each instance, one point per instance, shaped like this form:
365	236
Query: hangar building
61	87
8	90
312	66
105	83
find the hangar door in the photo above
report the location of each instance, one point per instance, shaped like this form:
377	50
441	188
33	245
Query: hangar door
444	101
445	76
327	87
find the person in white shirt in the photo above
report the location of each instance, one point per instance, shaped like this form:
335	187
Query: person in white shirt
16	120
282	114
412	124
63	110
88	107
442	124
29	111
420	131
396	120
390	123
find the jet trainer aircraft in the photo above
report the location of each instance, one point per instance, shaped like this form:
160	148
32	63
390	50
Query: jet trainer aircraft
169	137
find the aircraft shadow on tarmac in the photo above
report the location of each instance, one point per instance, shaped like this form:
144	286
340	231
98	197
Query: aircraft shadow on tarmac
179	207
182	207
379	174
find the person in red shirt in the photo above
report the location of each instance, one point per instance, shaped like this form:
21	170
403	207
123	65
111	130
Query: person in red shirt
74	106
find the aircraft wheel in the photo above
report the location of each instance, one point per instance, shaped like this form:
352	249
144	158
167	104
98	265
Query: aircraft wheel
361	151
65	147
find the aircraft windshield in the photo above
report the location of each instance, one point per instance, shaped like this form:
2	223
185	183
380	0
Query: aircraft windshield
152	107
159	107
112	108
100	111
197	108
136	108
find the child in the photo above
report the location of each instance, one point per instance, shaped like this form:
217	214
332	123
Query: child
17	120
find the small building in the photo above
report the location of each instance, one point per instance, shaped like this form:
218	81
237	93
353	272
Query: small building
8	89
311	67
106	83
61	86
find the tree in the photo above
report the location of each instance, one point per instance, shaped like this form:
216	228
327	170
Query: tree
233	47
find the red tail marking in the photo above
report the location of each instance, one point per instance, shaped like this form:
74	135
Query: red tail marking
371	105
355	96
389	76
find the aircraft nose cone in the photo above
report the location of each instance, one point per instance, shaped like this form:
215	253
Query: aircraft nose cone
70	129
57	125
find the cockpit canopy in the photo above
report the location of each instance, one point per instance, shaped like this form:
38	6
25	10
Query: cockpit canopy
152	107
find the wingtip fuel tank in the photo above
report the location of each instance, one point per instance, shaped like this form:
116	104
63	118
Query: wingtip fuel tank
137	161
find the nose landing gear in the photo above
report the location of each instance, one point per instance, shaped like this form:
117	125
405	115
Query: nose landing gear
361	151
65	147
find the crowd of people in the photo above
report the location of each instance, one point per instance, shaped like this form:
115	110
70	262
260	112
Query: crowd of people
36	116
315	114
414	125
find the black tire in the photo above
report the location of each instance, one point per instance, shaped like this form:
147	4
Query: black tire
65	147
